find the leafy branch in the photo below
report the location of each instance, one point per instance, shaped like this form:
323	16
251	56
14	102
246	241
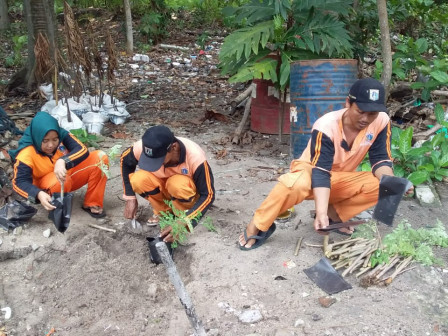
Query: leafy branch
181	224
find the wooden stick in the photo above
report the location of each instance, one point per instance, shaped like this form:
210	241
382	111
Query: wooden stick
391	264
439	93
357	261
346	241
403	271
299	243
425	134
325	244
239	130
101	228
242	96
180	289
403	265
363	270
313	245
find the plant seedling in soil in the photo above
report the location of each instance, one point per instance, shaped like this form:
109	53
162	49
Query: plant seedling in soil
180	223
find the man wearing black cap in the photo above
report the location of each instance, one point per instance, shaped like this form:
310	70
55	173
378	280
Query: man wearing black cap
170	168
326	170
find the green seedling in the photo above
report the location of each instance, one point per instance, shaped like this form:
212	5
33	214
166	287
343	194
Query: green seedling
181	225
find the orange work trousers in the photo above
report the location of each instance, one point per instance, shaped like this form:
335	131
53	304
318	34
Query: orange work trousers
87	172
180	189
351	193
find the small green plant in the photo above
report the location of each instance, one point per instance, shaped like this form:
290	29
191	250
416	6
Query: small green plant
201	40
406	241
19	43
426	163
153	26
90	140
180	224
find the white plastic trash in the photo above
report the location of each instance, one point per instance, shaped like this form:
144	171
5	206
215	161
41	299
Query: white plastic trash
60	113
47	91
117	114
94	122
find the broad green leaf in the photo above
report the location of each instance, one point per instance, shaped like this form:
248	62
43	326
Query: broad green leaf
285	69
406	140
440	113
399	171
422	45
440	76
416	152
429	167
417	85
443	162
443	171
418	177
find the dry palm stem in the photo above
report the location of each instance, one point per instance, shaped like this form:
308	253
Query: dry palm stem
399	268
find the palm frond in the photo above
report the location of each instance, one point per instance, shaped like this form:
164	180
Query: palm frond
324	6
246	41
252	12
264	69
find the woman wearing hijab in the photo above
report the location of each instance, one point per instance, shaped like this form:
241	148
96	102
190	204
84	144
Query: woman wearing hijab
49	156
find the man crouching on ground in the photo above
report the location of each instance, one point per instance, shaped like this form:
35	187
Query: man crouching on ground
326	170
170	168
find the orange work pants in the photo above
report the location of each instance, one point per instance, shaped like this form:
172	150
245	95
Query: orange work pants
87	172
180	189
351	193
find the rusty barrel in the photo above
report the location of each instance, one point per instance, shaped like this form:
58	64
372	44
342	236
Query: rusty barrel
317	87
265	109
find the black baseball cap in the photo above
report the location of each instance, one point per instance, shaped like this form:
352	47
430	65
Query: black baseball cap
156	142
369	95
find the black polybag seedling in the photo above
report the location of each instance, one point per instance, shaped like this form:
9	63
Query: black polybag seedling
15	213
61	215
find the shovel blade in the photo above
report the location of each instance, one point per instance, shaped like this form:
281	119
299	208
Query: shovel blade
136	226
326	277
391	192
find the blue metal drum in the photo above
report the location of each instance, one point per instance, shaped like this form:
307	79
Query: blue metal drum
317	87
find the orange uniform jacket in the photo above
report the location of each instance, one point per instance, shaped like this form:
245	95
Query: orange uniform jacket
327	150
31	165
192	163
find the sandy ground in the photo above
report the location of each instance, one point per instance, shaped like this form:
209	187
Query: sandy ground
93	282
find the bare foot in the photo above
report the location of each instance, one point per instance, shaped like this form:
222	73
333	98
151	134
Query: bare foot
251	230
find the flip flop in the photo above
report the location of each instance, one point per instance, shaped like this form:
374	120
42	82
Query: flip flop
260	238
153	220
93	214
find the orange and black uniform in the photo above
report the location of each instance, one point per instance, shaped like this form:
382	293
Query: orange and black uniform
34	170
189	184
328	162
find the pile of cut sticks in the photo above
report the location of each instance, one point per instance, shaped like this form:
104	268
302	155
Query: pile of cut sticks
354	255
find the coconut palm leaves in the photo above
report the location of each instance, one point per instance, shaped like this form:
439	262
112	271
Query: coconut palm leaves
292	30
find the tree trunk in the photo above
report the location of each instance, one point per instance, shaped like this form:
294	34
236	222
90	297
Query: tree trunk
40	18
4	18
129	37
385	44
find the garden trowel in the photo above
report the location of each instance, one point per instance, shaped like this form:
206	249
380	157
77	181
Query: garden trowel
136	226
391	192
